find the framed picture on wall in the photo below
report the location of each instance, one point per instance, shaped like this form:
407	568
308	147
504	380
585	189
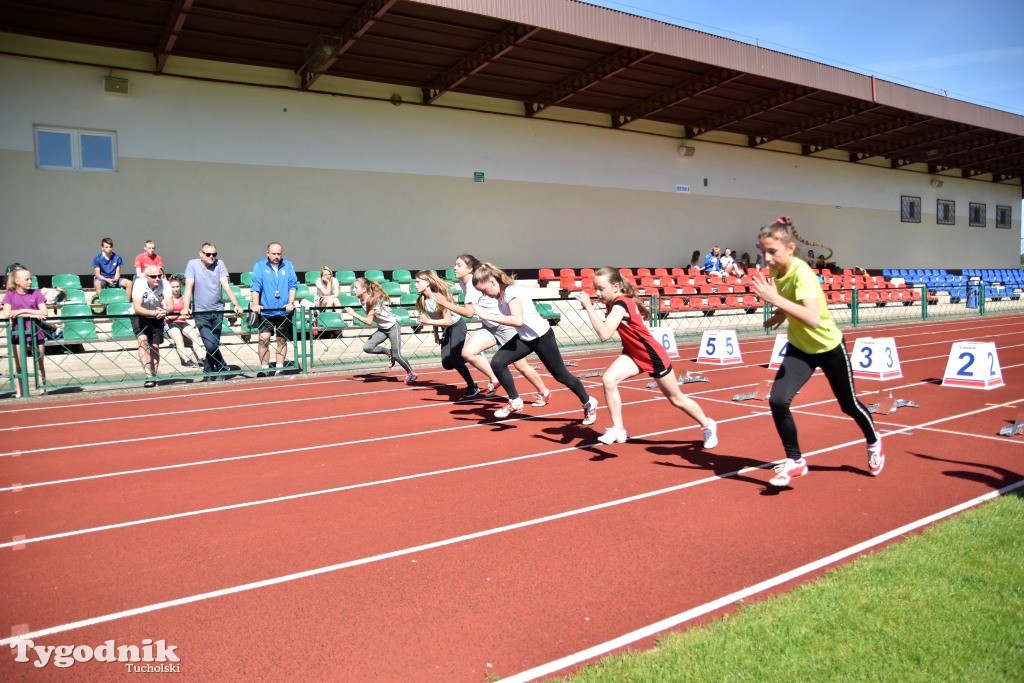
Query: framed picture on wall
977	215
910	209
945	212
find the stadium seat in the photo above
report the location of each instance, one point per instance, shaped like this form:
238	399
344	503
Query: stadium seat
79	330
75	296
392	288
346	277
402	277
303	293
311	277
330	320
545	275
450	275
375	275
349	301
121	322
67	281
76	310
548	312
408	300
246	278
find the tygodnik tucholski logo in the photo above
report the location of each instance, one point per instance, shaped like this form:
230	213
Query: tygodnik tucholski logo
152	656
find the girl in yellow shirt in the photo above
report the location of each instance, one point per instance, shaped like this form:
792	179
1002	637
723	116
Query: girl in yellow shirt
814	342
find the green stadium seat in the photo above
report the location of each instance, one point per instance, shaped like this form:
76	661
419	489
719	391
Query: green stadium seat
311	277
402	277
450	275
112	295
346	277
76	311
375	276
238	294
75	296
67	281
408	300
79	329
392	288
330	320
246	278
349	300
303	292
121	327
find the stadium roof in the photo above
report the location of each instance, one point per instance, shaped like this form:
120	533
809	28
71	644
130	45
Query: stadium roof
557	53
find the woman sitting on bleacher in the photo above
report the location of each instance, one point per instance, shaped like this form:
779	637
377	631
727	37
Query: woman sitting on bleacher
21	301
328	289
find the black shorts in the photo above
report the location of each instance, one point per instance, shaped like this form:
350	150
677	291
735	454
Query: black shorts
277	325
153	328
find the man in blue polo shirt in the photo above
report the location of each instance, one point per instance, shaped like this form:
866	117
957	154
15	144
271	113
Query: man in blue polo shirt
106	269
273	296
205	278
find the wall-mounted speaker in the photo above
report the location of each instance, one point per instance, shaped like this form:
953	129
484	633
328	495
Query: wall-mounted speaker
686	151
115	85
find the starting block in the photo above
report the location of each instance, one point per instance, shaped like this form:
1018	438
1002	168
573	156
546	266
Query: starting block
688	378
589	373
762	393
889	405
1016	428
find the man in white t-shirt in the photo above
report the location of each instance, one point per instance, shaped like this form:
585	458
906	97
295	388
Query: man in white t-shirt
151	299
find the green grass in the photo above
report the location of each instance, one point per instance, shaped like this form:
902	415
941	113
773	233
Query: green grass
946	605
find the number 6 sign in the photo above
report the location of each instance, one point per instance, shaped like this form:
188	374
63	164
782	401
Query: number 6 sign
666	336
974	365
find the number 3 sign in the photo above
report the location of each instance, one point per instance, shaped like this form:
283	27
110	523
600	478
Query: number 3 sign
875	358
974	365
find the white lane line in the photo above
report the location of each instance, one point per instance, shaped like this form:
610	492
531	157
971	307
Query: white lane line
726	600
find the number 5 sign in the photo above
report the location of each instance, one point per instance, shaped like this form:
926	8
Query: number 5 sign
974	365
875	358
667	338
720	347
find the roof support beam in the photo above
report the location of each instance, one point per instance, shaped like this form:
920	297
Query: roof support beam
325	50
172	29
493	49
949	153
1011	164
903	146
771	101
864	133
819	119
675	95
578	82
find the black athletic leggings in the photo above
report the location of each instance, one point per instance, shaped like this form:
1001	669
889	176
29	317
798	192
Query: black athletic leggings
547	350
452	340
797	368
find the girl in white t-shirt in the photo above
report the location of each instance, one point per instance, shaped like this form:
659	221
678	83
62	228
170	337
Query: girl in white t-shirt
377	305
533	335
488	336
327	289
449	329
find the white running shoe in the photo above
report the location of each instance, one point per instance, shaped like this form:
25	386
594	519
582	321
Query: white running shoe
613	435
492	389
542	400
590	411
513	406
788	471
876	458
710	434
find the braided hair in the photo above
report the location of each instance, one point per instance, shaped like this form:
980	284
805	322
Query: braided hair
782	228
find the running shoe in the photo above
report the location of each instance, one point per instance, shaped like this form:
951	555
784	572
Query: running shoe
513	406
492	390
876	458
710	434
613	435
542	400
788	471
590	411
391	361
410	378
471	392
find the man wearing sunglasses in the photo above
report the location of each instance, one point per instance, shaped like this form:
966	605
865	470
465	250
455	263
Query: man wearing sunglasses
151	299
205	278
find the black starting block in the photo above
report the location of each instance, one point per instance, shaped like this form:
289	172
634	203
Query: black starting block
763	390
688	378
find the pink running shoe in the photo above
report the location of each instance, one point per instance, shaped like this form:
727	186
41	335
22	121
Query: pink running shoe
788	471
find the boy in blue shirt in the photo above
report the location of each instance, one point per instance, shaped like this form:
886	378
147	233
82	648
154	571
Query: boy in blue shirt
106	269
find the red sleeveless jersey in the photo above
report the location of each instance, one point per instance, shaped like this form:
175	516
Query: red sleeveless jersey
637	341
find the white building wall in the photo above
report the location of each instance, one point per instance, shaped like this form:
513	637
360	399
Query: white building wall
358	183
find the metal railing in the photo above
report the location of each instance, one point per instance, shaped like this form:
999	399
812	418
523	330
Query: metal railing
101	350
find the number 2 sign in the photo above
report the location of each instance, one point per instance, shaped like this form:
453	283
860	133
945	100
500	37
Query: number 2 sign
974	365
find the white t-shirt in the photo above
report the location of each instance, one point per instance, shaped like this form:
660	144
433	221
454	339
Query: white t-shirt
533	325
480	301
152	299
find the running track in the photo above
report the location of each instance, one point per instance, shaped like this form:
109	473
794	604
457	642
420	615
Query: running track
352	528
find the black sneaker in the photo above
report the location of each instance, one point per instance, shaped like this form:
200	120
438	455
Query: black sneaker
471	393
150	383
265	372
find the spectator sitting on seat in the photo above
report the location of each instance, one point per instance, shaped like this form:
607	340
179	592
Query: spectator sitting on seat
745	264
328	289
820	263
728	264
106	269
151	300
179	324
148	257
712	263
695	260
205	278
21	301
273	288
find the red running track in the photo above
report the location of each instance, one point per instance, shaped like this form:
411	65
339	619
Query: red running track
353	528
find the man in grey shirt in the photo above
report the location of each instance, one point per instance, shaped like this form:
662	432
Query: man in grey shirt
205	278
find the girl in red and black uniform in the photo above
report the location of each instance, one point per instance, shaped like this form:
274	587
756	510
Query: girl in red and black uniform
640	353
